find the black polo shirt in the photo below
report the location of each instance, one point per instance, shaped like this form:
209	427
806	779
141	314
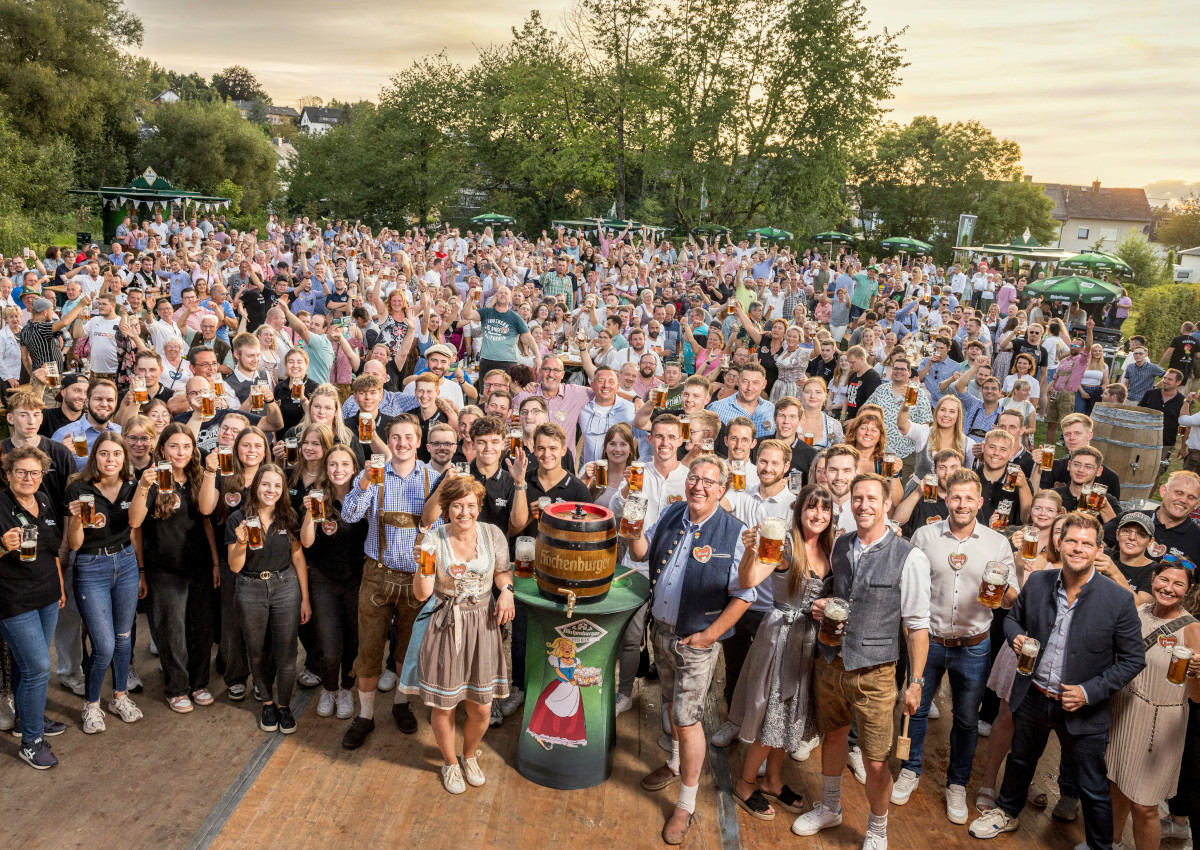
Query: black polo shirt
339	557
993	495
292	411
1060	475
1153	399
178	544
1071	502
569	489
567	462
62	467
925	513
115	530
274	556
498	498
1183	539
29	585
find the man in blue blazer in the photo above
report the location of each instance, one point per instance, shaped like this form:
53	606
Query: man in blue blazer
1090	647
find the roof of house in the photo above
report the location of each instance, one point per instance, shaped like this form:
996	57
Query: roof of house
321	115
283	110
165	93
1099	202
1191	252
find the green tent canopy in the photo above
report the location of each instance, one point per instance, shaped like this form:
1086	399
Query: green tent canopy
493	218
770	233
1096	262
1074	288
906	245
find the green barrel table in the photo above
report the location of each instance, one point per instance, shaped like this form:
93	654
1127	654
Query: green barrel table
569	727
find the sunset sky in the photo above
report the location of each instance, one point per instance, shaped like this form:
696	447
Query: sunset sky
1089	90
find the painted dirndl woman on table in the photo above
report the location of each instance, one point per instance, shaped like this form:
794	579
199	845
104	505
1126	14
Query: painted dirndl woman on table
558	715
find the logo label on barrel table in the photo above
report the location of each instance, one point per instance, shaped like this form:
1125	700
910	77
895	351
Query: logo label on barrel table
582	633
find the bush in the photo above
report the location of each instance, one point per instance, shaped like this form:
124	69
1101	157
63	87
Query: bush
1148	269
1161	310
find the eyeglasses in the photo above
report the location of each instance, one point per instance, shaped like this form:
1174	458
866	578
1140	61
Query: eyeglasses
28	474
706	483
130	439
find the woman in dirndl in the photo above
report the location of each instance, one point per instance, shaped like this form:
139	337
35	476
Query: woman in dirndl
462	653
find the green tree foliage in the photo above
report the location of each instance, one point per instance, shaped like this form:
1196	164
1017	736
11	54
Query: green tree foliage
237	83
1148	268
1162	309
1006	208
196	145
1181	229
33	184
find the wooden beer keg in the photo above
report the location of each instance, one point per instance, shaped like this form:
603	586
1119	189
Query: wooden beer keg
1130	438
576	551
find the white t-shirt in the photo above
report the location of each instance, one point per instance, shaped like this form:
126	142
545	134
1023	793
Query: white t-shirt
1035	389
102	337
161	331
448	389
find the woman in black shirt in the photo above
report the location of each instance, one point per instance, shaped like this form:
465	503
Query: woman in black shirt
271	591
315	442
178	553
106	574
295	364
334	548
31	594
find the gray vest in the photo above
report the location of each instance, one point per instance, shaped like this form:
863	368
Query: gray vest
873	591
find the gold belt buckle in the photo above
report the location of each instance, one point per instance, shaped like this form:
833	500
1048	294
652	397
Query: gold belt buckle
264	575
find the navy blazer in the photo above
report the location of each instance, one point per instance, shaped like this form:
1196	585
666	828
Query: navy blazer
1104	647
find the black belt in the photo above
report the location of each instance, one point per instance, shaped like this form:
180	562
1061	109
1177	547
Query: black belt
265	574
956	642
110	549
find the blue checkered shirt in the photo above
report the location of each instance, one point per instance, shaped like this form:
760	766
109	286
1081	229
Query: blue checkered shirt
399	494
763	416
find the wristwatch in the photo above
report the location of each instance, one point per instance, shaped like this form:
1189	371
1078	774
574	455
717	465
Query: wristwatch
917	680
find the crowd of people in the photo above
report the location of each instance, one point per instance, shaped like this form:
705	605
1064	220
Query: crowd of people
330	437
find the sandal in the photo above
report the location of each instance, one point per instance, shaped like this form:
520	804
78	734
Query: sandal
180	704
985	800
1036	797
787	799
756	806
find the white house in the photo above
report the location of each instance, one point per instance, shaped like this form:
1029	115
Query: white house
1089	214
1187	270
167	97
319	119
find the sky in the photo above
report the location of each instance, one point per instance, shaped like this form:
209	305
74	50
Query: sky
1104	89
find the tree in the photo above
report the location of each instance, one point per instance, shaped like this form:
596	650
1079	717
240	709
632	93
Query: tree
196	145
1181	229
1148	268
1006	208
257	114
237	83
308	100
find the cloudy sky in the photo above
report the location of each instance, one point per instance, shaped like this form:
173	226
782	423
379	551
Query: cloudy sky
1090	90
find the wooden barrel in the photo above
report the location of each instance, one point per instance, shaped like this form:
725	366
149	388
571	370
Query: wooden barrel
576	551
1130	438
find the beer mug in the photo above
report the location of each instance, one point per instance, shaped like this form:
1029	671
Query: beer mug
833	624
225	460
166	477
52	375
366	426
1000	517
685	428
1176	671
526	550
376	474
514	443
633	517
912	393
463	469
738	477
600	470
809	438
637	471
316	505
771	532
660	396
218	385
1085	499
1029	545
254	533
427	557
1028	656
139	390
891	465
87	510
1047	458
539	506
995	580
929	485
208	404
1012	474
1097	499
257	395
81	446
297	388
707	445
724	361
795	481
29	535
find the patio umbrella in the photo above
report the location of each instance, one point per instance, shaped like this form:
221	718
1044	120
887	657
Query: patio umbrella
1085	290
1096	262
906	245
832	236
716	229
493	218
770	233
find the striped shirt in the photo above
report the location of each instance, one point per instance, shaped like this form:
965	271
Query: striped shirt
554	284
763	415
1139	379
41	342
407	495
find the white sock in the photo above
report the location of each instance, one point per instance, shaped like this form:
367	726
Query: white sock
877	825
687	797
400	697
673	761
366	703
831	792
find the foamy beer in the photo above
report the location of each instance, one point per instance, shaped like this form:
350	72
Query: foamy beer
1183	432
139	390
729	309
539	506
1000	517
707	445
929	485
297	388
890	465
514	443
808	438
427	557
1096	500
366	426
912	393
724	361
600	469
218	385
1085	499
526	553
1011	474
377	463
995	580
208	404
1047	458
225	460
1176	671
833	624
463	469
514	419
660	396
87	510
1028	656
738	474
770	539
256	398
254	535
29	543
166	477
291	451
81	446
316	505
1029	545
685	428
637	470
795	481
633	517
52	375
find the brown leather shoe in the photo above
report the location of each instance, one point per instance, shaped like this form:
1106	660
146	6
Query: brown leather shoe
676	828
660	779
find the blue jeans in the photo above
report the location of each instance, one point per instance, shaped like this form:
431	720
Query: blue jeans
106	590
29	636
968	668
1037	716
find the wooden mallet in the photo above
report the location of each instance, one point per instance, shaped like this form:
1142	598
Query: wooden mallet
903	743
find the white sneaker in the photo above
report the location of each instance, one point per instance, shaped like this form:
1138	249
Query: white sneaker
724	736
8	712
386	682
308	679
452	779
993	823
816	819
514	700
802	752
856	765
124	708
93	718
344	700
153	647
472	772
985	729
872	841
934	714
134	682
1171	829
74	683
956	804
904	786
624	703
325	704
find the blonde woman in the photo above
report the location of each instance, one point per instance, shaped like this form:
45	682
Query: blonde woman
945	432
826	430
1095	379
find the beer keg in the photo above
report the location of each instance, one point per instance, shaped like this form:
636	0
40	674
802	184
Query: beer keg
1131	440
576	551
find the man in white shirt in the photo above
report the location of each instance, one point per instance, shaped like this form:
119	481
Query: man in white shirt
841	465
601	413
958	282
437	360
101	332
634	353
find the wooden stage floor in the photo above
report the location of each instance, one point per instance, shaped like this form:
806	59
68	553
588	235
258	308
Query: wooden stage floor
211	778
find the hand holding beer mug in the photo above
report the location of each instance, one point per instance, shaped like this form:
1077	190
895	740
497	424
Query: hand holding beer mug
1012	474
835	616
1027	652
79	444
1029	545
635	476
1047	458
995	582
258	393
254	533
738	475
87	510
376	473
1000	517
771	533
1177	671
139	390
366	426
166	476
29	536
316	504
526	550
225	460
52	375
929	485
890	466
912	393
633	517
427	555
539	506
291	448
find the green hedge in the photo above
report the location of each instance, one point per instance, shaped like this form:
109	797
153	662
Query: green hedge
1161	310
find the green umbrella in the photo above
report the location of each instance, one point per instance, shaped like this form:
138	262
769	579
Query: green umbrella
1096	262
906	245
493	218
1085	290
716	229
832	236
770	233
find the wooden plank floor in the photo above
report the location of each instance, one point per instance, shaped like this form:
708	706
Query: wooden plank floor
153	784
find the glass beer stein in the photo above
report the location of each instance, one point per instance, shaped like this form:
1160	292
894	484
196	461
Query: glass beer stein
833	624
